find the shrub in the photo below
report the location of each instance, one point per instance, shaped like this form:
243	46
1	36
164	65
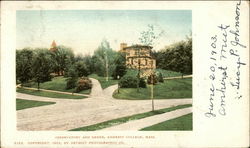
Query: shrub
71	83
129	81
160	77
83	83
142	83
152	79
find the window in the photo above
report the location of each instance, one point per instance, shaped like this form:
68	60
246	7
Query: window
136	52
128	53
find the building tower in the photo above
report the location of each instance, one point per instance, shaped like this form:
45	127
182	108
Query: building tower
122	46
53	46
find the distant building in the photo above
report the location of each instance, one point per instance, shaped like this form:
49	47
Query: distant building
139	56
53	46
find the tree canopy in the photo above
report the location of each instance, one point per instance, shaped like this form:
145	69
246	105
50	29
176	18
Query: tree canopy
103	59
176	57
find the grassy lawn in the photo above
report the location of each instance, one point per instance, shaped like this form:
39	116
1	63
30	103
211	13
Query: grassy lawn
168	73
170	89
57	83
165	73
181	123
49	94
103	81
128	118
23	104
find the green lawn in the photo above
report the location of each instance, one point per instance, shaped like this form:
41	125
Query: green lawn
128	118
170	89
103	81
23	104
57	83
49	94
168	73
165	73
184	123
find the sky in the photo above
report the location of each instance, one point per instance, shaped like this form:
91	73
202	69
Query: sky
84	30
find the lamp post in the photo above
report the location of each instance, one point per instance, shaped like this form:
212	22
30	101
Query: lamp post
118	91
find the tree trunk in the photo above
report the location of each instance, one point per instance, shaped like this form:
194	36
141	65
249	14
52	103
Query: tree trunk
38	85
138	81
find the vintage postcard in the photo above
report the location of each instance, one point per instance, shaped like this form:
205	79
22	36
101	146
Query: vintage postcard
124	74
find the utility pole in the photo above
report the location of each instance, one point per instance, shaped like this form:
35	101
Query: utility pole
139	68
106	66
152	87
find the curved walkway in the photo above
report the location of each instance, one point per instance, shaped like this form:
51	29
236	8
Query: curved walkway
149	121
68	114
96	91
178	77
55	91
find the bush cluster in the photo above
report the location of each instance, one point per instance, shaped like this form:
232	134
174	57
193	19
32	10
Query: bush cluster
129	81
155	78
160	77
152	79
71	83
83	83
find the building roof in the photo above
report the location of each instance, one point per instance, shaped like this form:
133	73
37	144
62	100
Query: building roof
53	44
138	46
143	56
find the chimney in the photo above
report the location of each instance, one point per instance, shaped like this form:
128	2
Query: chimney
122	46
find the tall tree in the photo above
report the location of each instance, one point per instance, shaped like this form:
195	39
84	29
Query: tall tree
24	65
42	66
72	77
103	59
176	57
62	57
149	36
120	66
81	69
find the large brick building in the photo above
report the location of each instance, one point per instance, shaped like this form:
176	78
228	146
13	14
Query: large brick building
139	56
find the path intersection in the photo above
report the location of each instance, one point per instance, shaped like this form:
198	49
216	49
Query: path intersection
68	114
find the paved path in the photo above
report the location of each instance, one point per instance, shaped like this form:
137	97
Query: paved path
40	98
178	77
96	91
47	90
67	114
149	121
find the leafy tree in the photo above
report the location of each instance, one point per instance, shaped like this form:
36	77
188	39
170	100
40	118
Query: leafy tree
120	66
41	66
62	57
176	57
103	59
160	77
149	36
24	65
189	56
87	59
81	69
72	77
